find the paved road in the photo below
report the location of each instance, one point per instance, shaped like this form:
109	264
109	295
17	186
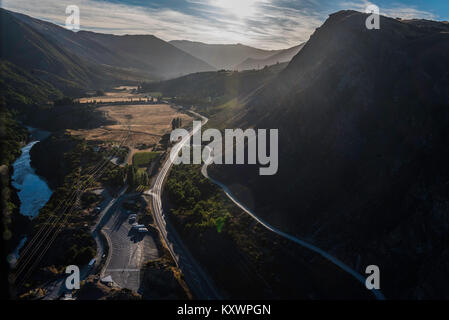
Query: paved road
196	278
156	192
103	216
377	293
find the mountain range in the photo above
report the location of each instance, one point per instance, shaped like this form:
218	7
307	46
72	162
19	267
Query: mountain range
75	61
279	57
363	133
235	56
362	117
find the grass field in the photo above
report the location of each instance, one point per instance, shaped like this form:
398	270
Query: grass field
143	159
147	123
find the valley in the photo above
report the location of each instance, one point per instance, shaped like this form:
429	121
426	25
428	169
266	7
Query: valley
361	119
146	123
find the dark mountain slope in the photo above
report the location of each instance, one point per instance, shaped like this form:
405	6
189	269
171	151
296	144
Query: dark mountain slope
28	49
18	87
282	56
44	58
78	43
363	119
145	53
73	61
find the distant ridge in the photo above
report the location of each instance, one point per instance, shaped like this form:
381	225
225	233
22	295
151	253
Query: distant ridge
279	57
75	60
363	120
222	56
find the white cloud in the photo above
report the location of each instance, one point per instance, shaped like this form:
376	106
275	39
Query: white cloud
257	22
409	13
395	10
270	24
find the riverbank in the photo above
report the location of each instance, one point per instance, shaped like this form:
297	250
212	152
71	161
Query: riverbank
31	190
13	136
67	163
34	191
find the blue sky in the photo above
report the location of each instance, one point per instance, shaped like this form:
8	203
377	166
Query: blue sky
270	24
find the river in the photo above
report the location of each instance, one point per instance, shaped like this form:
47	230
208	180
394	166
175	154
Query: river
33	191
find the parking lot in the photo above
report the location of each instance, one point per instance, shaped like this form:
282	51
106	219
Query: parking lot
129	249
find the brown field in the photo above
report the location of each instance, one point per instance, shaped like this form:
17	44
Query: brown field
147	124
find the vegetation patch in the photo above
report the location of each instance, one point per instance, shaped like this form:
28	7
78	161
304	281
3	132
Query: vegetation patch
245	260
12	136
197	201
162	281
143	159
137	178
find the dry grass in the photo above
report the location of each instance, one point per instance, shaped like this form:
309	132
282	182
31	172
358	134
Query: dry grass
147	124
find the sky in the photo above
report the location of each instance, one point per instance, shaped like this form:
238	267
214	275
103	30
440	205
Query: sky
268	24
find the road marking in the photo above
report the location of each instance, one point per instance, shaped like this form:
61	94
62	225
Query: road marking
122	270
155	192
376	292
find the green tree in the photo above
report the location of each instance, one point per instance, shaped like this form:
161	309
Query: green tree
132	176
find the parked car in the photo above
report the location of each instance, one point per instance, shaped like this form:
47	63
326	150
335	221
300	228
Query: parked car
97	210
92	263
143	230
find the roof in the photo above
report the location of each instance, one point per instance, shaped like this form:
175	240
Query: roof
107	279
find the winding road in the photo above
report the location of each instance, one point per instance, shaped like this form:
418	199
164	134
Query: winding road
194	271
377	293
198	280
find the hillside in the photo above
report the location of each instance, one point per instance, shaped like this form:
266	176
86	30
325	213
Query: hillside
212	89
73	61
31	51
144	54
222	56
148	53
18	87
363	119
280	57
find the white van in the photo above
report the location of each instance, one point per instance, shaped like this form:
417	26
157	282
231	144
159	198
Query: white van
92	263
